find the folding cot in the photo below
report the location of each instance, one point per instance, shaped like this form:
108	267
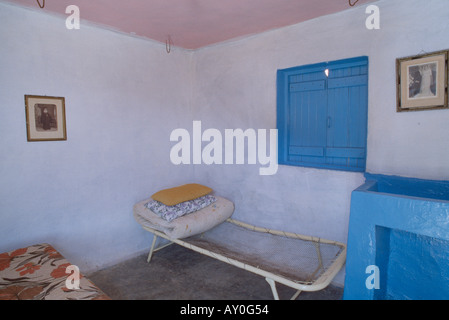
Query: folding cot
301	262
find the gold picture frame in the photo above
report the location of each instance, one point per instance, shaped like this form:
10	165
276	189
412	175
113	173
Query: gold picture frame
45	118
422	82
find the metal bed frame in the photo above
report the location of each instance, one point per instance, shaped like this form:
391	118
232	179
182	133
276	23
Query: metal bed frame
318	279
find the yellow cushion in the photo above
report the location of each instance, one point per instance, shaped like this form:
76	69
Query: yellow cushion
173	196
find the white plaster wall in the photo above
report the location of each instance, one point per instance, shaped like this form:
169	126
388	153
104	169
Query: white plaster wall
235	87
411	144
123	97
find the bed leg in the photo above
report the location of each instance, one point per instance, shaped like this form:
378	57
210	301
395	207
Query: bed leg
296	295
152	249
272	284
318	252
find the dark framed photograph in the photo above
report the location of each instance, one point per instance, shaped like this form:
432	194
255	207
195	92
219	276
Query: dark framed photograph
422	82
45	118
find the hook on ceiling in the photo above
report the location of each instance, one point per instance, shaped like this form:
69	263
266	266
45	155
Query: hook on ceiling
41	5
168	44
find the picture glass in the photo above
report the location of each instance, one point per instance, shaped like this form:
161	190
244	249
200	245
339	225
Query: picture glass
422	81
45	118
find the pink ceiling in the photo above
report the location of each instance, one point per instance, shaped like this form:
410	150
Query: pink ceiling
192	24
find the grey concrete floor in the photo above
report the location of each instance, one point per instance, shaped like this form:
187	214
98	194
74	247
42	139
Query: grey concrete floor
177	273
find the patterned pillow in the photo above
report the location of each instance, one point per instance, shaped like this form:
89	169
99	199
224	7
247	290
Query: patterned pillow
170	213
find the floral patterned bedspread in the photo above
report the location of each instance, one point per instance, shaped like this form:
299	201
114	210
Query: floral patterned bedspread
39	272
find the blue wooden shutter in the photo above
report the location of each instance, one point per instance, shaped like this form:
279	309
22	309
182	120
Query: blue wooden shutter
322	120
307	114
347	113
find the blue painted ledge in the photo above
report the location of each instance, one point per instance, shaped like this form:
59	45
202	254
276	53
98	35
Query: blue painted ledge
401	226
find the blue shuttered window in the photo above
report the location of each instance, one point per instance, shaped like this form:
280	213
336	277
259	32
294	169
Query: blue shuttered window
322	118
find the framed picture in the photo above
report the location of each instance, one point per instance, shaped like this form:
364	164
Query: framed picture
45	118
422	82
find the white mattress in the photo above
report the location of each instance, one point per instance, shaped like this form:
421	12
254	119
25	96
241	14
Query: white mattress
188	225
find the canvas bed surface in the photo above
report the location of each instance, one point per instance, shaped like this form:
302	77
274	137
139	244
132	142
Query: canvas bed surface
298	260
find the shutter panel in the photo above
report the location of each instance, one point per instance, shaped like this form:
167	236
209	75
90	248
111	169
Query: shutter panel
347	112
307	126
